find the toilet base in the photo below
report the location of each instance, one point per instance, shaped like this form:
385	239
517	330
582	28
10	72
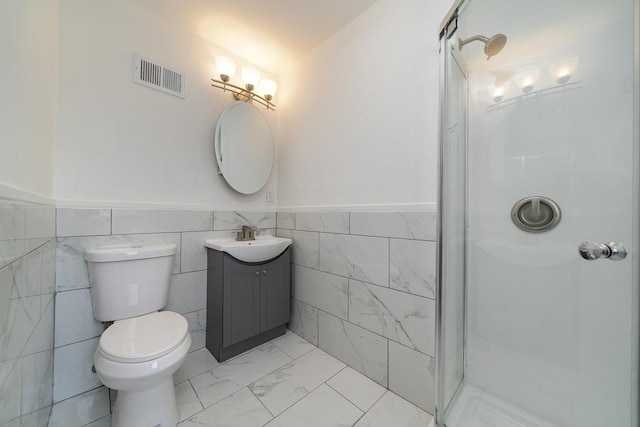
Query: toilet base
156	407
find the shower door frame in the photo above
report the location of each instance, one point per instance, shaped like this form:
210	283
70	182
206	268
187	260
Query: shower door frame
440	398
440	403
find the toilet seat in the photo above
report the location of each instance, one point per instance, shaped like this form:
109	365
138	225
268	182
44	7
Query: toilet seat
143	338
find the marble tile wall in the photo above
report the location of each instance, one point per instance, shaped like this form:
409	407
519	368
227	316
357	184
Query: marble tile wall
27	274
79	398
364	292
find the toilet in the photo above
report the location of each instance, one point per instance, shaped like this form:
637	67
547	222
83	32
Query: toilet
138	354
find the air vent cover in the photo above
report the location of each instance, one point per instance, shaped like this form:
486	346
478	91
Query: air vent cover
160	77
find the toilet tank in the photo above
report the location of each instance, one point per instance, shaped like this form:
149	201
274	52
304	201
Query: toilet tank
131	281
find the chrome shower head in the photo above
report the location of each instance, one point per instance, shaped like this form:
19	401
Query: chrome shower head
492	45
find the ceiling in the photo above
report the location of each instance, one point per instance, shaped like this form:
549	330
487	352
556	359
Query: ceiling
269	33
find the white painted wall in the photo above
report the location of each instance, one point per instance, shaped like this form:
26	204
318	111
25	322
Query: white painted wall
122	144
28	56
358	123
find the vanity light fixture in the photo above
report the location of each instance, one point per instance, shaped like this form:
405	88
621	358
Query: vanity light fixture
562	71
497	92
251	79
526	80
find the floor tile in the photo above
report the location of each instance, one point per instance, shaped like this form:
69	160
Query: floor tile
294	345
241	409
392	410
196	363
360	390
284	387
188	402
324	407
233	375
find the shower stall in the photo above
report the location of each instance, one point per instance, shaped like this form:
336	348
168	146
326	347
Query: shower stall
538	286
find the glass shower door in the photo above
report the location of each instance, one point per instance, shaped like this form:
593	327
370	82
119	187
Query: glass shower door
531	333
452	220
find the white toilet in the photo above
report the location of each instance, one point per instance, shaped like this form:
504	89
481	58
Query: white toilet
139	353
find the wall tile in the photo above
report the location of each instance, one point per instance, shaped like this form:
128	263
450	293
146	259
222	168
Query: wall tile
74	317
235	220
42	337
305	246
286	220
81	410
128	221
412	376
10	392
325	291
48	268
12	231
71	268
304	321
194	253
328	222
197	321
37	381
364	351
72	369
19	322
27	275
40	222
419	225
402	317
413	267
188	292
82	222
357	257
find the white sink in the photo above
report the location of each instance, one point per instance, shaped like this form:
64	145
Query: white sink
262	249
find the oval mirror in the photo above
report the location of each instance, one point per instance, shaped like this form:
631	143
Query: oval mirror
244	147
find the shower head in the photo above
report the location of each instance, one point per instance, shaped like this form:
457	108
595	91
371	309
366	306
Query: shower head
492	45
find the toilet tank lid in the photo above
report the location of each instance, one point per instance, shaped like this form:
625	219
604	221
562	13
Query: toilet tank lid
129	253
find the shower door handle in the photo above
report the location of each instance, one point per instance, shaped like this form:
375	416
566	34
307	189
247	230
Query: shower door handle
592	251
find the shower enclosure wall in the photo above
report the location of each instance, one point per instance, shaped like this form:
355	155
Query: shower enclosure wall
529	332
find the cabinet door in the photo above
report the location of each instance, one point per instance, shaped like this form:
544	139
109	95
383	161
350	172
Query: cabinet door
276	282
241	301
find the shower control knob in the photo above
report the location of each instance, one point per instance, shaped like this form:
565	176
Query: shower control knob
592	251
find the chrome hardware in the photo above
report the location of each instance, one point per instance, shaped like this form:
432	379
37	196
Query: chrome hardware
264	271
248	233
536	214
257	273
592	251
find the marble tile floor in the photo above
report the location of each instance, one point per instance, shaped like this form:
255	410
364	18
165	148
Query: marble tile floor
287	382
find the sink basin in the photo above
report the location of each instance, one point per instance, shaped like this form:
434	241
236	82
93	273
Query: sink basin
262	249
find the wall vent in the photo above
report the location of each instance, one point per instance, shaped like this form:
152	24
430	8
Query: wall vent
160	77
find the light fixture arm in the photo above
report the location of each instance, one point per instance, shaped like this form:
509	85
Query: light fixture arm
243	94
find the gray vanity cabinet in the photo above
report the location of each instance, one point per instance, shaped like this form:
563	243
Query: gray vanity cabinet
247	303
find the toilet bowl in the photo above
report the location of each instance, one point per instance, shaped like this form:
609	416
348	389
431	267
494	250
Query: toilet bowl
138	357
138	354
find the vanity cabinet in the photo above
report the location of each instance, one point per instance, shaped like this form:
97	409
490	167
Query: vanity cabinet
247	303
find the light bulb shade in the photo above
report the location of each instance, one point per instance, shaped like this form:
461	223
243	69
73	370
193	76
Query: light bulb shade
497	93
562	71
250	76
226	66
526	80
268	87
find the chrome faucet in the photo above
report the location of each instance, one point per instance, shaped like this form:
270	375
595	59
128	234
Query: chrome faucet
248	233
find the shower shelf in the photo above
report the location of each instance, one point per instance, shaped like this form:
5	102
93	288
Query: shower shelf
535	95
